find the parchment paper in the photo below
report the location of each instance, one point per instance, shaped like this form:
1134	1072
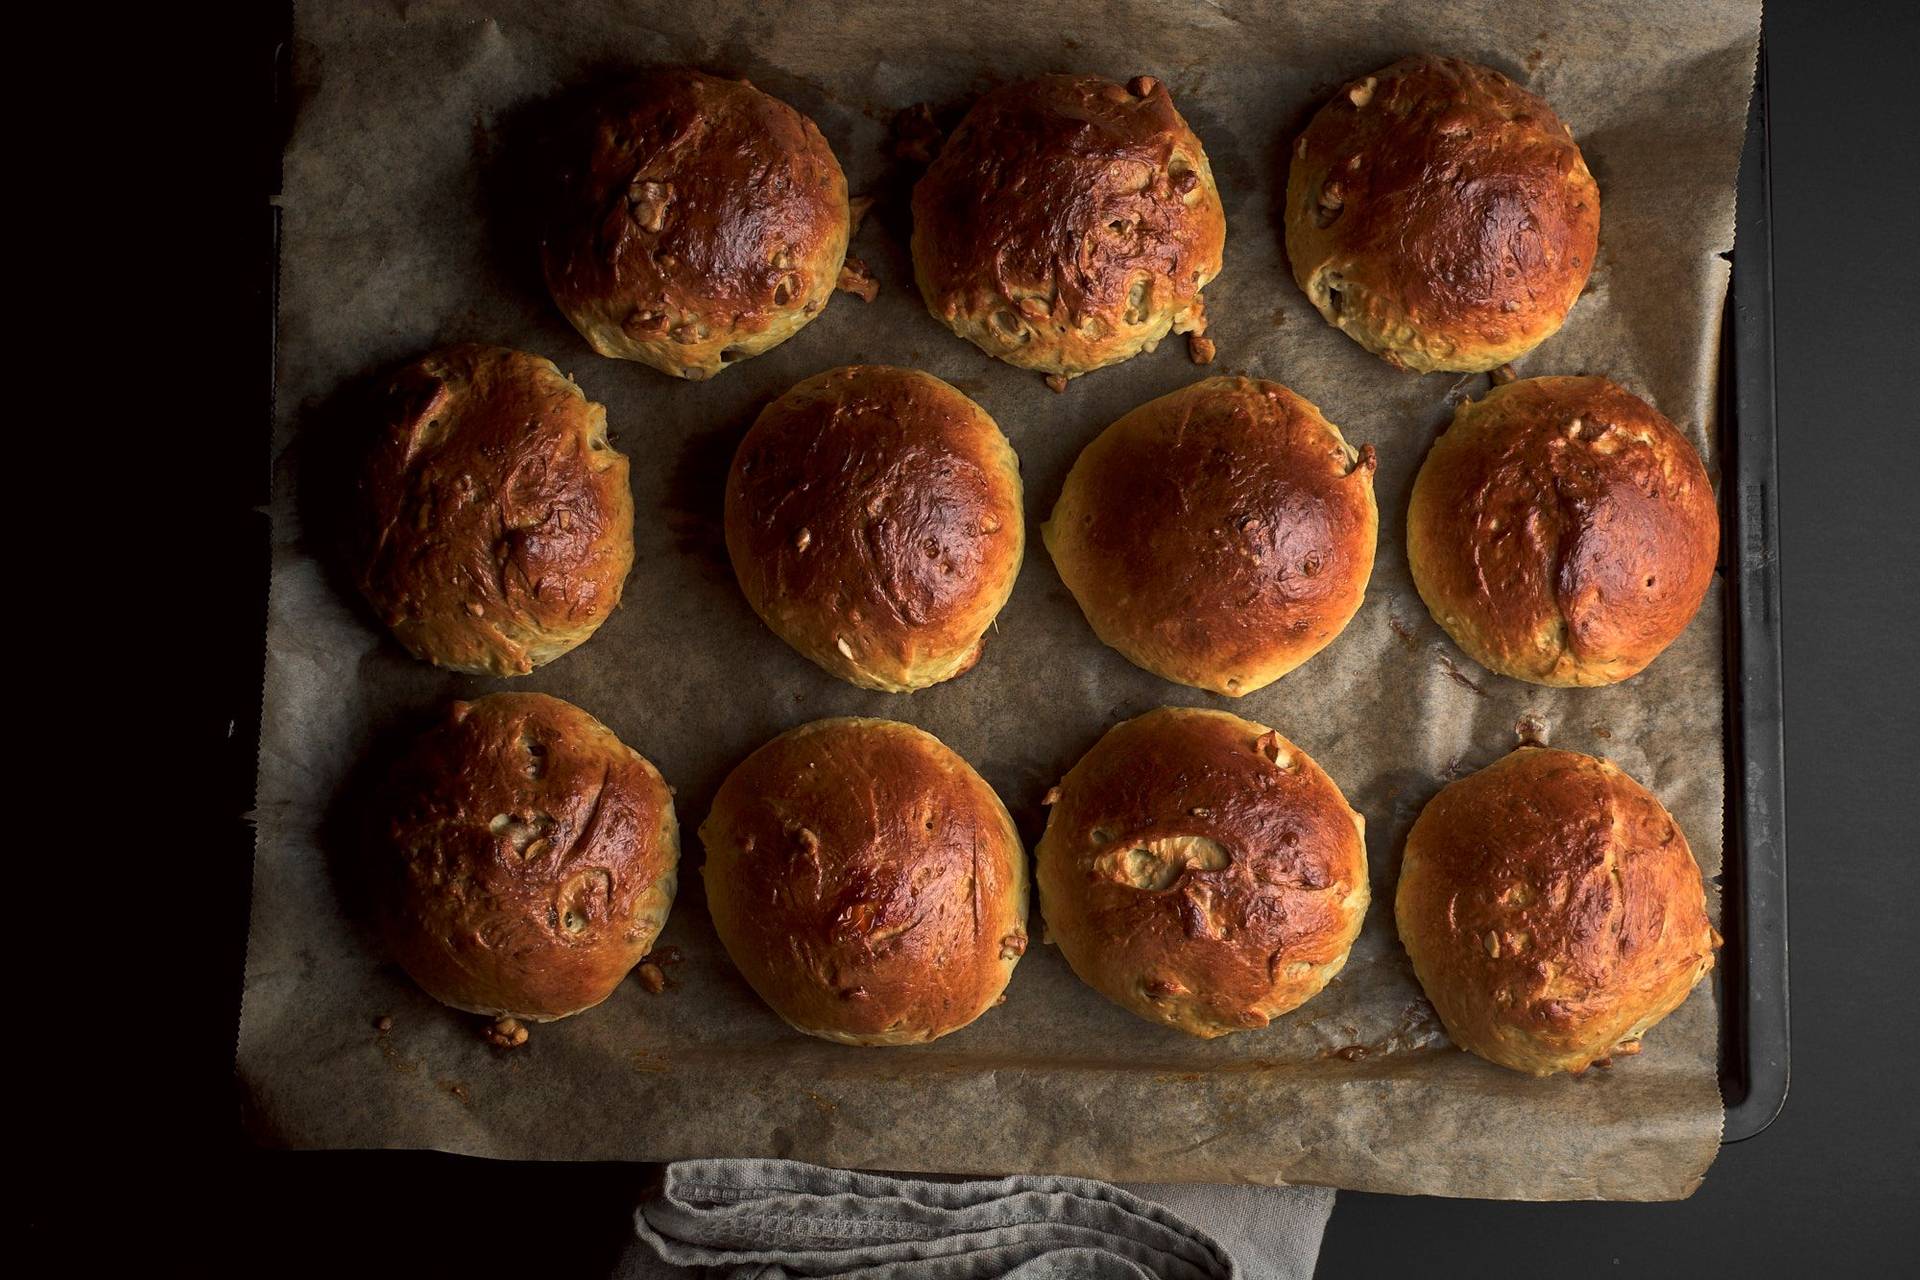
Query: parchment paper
400	232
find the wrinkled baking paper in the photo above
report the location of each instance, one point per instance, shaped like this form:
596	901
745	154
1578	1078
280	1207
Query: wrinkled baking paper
400	232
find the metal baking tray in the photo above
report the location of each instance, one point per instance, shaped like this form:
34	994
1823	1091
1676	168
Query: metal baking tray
1753	971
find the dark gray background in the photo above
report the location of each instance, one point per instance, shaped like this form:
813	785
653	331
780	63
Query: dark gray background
1830	1187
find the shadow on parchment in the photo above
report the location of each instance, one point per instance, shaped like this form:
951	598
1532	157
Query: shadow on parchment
523	158
695	499
332	441
352	828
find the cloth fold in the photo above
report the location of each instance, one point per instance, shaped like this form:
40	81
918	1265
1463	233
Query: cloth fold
782	1220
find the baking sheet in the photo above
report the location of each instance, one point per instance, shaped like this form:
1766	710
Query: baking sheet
403	228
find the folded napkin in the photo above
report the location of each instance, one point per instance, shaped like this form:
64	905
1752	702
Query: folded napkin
776	1219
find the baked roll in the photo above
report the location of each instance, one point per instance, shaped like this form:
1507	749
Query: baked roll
495	522
527	858
1202	871
1562	531
1219	536
873	518
1553	911
1441	216
1068	223
697	221
867	882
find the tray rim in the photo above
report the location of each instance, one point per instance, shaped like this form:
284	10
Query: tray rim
1755	1040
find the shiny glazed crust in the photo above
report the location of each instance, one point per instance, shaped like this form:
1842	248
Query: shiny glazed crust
1068	223
1552	910
1441	216
527	859
1202	871
495	524
873	517
697	222
1219	536
867	882
1562	531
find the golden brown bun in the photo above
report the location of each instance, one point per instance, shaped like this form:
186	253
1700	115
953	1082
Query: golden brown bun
1441	216
529	858
1562	531
1553	911
1219	536
1068	223
496	522
698	222
1202	871
873	518
867	882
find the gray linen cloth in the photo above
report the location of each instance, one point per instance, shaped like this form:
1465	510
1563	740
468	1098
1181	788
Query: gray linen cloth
781	1219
